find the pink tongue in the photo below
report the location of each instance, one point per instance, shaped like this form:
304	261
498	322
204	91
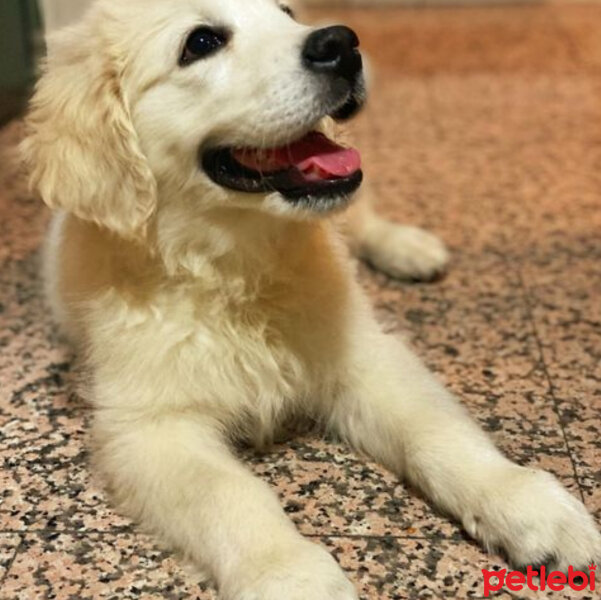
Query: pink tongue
315	150
314	154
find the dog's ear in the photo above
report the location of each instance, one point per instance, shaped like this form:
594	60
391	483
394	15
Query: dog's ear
81	147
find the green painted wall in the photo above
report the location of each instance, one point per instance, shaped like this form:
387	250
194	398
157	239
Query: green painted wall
19	22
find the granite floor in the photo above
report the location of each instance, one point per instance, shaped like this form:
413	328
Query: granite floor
485	127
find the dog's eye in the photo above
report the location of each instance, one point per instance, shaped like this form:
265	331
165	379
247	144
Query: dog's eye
203	42
287	10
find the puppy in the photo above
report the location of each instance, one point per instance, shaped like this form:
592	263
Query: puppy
193	262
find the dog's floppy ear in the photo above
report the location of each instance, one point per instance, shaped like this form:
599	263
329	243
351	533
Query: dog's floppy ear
81	147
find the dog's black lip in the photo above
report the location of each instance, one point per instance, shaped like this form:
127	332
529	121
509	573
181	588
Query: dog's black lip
225	171
350	108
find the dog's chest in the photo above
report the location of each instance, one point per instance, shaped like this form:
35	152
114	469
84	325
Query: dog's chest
256	357
269	348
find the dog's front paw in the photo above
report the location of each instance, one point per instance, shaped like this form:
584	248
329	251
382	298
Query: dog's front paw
405	252
301	572
535	520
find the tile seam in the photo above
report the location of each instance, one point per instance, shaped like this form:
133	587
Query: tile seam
550	385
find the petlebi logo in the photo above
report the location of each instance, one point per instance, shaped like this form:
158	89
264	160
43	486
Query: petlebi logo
536	580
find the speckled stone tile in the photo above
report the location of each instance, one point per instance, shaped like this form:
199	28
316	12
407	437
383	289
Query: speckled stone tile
122	567
418	42
484	127
564	287
464	181
44	481
94	566
457	325
476	333
23	219
393	569
9	545
327	490
477	146
580	27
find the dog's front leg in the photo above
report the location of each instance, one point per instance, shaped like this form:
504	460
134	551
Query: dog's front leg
401	251
396	411
176	476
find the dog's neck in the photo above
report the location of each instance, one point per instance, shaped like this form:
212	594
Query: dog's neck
241	252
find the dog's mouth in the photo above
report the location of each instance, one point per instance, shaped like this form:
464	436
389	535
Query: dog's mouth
311	168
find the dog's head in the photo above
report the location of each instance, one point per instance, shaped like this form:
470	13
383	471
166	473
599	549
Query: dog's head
212	103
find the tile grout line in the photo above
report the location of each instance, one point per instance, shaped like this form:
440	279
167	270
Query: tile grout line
359	536
9	566
551	387
574	52
117	533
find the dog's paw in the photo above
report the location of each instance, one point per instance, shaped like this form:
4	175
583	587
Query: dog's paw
532	518
302	572
405	252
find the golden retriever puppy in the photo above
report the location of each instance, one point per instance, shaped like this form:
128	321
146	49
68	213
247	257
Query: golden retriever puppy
193	261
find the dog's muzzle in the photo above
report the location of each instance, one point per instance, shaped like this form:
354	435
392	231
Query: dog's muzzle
311	171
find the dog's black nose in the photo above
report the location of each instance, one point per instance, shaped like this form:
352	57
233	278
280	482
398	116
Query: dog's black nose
333	51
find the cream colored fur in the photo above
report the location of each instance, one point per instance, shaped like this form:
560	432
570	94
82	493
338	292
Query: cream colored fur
205	315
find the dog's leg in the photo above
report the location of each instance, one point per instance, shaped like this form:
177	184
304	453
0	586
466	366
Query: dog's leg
175	475
397	412
400	251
